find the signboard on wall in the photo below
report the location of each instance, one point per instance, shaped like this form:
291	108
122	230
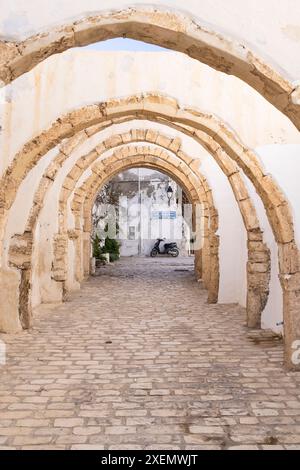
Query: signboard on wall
163	215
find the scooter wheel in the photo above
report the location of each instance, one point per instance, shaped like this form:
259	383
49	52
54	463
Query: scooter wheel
153	253
174	253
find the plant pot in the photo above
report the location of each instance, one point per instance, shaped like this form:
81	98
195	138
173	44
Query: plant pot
106	256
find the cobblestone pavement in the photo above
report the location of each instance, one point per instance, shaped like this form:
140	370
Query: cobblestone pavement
138	360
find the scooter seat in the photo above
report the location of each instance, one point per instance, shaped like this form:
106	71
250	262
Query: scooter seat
170	245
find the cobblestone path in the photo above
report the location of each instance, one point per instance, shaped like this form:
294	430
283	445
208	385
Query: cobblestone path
138	360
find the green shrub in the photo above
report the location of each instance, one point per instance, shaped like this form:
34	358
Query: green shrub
113	257
111	246
97	251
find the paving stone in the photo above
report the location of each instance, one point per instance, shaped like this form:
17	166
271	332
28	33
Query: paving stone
138	360
68	422
243	448
206	430
87	447
87	431
120	430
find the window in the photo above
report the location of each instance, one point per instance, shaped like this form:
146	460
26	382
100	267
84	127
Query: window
131	233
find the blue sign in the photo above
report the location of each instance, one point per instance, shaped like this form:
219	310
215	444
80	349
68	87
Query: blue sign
163	215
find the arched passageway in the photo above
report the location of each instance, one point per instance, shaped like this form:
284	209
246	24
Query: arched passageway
101	172
155	106
162	352
257	292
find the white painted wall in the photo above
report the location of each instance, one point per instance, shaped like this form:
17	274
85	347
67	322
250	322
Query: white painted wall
136	210
272	314
18	215
57	86
283	162
233	236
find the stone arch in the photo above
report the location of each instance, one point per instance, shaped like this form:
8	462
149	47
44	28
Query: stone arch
21	249
259	256
167	28
158	159
258	266
167	109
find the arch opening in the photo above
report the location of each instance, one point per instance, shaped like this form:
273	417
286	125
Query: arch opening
257	288
147	106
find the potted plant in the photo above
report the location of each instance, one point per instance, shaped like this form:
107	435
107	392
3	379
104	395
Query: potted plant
97	251
112	247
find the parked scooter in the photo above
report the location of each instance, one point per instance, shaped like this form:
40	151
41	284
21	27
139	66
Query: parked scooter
168	249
